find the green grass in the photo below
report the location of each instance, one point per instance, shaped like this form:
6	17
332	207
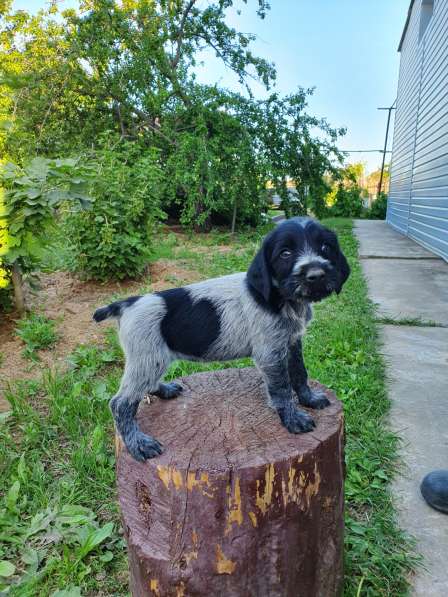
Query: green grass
57	461
411	321
275	212
37	332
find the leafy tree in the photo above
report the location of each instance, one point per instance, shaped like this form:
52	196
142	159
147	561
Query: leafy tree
32	195
67	85
43	82
292	151
373	179
346	197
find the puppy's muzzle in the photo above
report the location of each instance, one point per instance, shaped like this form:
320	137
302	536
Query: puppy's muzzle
315	274
314	281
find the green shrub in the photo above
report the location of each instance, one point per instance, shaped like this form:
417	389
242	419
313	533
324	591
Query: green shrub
378	209
113	239
33	195
37	332
348	202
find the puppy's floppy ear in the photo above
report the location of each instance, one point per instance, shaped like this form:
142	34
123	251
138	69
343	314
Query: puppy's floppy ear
343	269
258	275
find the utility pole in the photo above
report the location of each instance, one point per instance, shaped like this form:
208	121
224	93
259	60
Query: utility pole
392	107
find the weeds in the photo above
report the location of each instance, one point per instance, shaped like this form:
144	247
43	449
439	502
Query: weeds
410	321
58	518
36	332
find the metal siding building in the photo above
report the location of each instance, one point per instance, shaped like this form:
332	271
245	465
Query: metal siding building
418	196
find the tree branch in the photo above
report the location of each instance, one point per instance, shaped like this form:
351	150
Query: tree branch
175	60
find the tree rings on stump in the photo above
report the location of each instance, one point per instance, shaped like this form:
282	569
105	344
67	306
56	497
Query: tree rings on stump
235	505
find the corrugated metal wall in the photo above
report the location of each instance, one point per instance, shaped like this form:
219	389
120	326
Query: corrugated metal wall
418	197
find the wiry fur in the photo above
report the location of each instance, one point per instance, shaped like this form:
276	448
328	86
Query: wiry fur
262	314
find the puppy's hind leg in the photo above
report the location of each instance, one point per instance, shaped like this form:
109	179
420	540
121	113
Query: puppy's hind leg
124	405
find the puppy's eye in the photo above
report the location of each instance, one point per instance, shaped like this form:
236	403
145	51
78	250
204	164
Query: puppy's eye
285	254
325	248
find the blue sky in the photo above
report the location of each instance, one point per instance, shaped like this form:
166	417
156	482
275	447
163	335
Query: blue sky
346	49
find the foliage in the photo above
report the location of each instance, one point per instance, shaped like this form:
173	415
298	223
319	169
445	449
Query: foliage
67	86
373	179
346	196
44	87
348	202
213	170
378	208
58	534
36	332
33	194
113	239
58	516
4	273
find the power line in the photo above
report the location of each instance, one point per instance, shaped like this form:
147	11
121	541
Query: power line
364	151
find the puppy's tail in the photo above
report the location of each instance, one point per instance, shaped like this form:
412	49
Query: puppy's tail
114	309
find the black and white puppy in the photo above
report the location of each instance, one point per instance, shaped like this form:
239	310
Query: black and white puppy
262	314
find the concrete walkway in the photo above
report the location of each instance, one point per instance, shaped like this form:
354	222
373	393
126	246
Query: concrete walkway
406	281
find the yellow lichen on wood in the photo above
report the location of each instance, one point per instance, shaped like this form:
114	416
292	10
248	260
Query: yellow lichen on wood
180	590
253	519
193	554
291	491
223	565
168	474
235	512
154	586
300	489
264	498
310	489
202	483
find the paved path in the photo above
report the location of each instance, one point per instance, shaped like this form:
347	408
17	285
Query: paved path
405	280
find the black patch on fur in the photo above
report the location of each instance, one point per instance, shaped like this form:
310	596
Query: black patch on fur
189	327
273	304
114	309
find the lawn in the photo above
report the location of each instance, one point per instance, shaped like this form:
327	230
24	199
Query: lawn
59	522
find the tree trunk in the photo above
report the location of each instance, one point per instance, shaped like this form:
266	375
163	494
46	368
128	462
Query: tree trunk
235	506
17	283
234	218
206	225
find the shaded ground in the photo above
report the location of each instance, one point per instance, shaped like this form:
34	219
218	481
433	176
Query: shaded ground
71	302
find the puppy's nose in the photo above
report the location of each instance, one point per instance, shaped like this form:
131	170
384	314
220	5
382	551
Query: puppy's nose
315	274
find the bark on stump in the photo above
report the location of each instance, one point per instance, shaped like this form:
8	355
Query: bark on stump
235	506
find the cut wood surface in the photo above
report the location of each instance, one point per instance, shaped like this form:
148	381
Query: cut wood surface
236	505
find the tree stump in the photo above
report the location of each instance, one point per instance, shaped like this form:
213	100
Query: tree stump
236	505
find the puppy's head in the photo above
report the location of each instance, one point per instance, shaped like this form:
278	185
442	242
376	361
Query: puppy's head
299	260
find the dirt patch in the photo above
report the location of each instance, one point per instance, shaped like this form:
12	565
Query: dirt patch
215	249
167	273
71	302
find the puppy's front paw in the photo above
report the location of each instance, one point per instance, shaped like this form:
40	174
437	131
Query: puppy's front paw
313	399
168	391
295	420
142	446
